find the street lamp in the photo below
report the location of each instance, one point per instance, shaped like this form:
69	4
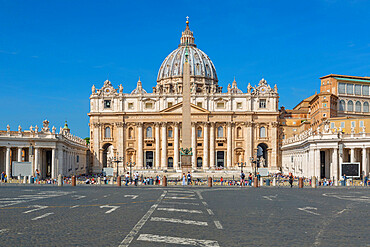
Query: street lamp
116	160
130	165
254	162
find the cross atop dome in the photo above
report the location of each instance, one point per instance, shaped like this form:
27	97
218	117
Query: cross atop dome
187	37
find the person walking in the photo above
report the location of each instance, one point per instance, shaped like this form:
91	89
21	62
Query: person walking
136	178
250	179
127	178
222	181
189	178
242	179
291	179
366	179
183	179
344	180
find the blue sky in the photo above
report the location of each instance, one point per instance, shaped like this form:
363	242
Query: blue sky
52	52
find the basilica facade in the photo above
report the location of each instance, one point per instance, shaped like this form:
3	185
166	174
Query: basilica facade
142	129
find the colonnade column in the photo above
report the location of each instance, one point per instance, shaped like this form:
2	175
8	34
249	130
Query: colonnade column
37	159
205	146
212	163
364	161
176	147
157	147
60	161
7	163
340	164
19	155
53	168
140	153
334	164
317	163
352	155
164	146
193	146
249	142
229	146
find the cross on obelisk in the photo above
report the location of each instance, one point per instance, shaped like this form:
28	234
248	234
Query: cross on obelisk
186	151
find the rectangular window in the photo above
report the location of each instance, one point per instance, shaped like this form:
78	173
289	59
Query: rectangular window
107	104
170	144
220	105
349	88
130	106
148	105
294	130
342	88
262	103
361	123
199	144
353	124
149	145
199	104
78	158
239	105
324	105
365	90
220	144
170	133
332	125
199	133
342	125
358	89
169	104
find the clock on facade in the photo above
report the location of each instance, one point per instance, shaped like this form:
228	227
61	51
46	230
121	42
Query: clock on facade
107	90
263	89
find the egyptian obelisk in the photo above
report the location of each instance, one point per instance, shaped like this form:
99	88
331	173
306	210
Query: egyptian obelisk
186	114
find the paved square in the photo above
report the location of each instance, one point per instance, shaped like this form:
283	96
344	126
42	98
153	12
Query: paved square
183	216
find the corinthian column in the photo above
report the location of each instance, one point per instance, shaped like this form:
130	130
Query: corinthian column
7	163
229	145
205	146
176	147
157	147
212	146
193	146
164	146
53	169
140	146
19	155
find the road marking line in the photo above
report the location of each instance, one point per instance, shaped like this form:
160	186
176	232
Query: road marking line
200	196
42	216
128	239
210	211
3	230
218	224
205	203
30	198
181	198
75	206
37	207
113	208
78	197
176	240
270	197
180	210
340	212
133	196
186	222
307	209
181	195
184	203
181	191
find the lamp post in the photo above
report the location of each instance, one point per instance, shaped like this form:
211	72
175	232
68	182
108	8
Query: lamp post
116	160
254	162
130	165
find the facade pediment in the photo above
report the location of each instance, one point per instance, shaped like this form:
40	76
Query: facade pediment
178	109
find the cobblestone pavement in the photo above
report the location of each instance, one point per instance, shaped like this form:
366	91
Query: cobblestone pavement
48	215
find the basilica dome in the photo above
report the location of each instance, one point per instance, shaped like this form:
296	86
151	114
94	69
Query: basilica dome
202	70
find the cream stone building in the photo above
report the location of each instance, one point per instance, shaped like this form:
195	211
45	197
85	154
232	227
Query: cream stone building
144	128
49	152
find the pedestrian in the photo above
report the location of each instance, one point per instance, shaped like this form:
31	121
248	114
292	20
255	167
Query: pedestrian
366	178
183	179
189	178
222	181
127	178
250	179
136	178
344	179
291	179
242	179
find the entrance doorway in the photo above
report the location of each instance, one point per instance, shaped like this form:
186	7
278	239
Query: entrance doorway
149	159
220	158
322	165
48	164
262	155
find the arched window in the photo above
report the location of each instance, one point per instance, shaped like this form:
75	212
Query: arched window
170	162
262	132
350	106
342	105
107	132
366	107
199	162
149	132
358	106
239	133
220	131
170	133
130	133
199	132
